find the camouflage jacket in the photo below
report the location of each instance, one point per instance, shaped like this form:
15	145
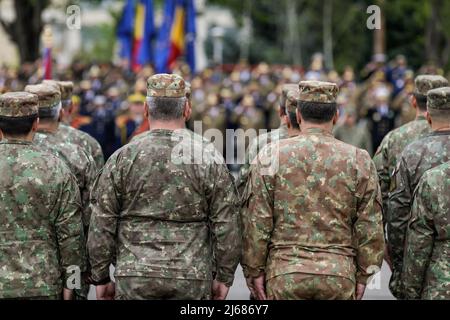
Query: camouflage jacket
392	147
79	162
319	213
357	135
84	140
40	222
426	268
165	211
416	159
255	146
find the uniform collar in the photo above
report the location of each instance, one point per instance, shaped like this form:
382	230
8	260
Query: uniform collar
420	118
317	131
16	141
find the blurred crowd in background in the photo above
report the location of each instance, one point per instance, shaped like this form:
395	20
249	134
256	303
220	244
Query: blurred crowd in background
109	102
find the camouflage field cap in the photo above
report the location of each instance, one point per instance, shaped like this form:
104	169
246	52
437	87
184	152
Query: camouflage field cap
291	101
318	91
166	85
65	88
439	99
425	83
289	87
49	96
18	105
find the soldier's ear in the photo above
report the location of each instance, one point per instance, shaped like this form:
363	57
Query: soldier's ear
429	119
146	113
299	116
187	110
336	117
414	102
35	125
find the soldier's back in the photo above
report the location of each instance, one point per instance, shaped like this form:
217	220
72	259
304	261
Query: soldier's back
31	184
426	268
318	190
164	231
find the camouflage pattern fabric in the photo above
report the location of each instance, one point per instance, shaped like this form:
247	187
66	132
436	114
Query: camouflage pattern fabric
426	268
299	286
165	217
319	213
318	91
424	83
18	104
84	140
166	85
79	162
416	159
439	99
255	146
49	96
138	288
40	226
391	148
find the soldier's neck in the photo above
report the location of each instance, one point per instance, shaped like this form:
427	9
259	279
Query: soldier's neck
167	125
292	132
48	126
24	138
420	114
328	127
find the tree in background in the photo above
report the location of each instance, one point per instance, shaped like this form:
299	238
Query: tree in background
25	30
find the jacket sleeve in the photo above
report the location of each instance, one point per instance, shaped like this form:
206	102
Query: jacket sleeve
224	223
398	214
368	224
105	203
90	174
69	228
419	242
257	220
381	161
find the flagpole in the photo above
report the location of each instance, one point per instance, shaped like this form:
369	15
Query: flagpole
47	39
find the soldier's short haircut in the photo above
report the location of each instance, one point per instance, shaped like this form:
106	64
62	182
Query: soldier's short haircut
166	108
421	101
293	120
440	115
17	126
317	112
50	114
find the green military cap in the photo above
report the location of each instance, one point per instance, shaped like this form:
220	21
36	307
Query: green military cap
291	100
18	105
49	96
318	91
166	85
439	99
65	88
425	83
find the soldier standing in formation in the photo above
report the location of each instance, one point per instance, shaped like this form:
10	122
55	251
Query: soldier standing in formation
154	216
426	269
416	159
313	229
80	163
40	206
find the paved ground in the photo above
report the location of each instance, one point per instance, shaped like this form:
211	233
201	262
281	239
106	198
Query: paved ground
239	291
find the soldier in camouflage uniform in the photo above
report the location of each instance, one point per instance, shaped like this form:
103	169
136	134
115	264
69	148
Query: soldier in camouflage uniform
416	159
313	228
289	128
426	267
167	223
80	163
70	134
395	141
41	234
